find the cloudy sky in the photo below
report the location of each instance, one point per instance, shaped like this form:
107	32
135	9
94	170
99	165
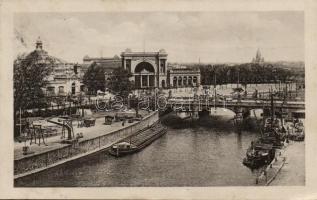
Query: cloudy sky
186	36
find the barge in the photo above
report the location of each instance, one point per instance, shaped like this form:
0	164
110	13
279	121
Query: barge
138	141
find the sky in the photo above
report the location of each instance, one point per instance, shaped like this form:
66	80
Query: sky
186	36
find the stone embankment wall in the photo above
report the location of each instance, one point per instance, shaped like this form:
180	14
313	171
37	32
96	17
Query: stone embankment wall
32	164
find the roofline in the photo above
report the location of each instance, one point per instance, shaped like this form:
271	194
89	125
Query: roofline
142	53
102	58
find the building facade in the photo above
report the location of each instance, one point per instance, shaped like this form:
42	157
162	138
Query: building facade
65	78
182	76
148	69
107	63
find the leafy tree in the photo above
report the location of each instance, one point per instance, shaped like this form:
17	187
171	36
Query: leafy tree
29	78
94	78
248	73
30	74
119	82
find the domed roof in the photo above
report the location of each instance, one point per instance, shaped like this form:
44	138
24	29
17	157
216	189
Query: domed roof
128	50
39	44
39	40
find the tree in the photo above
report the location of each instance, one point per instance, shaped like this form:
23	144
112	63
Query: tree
120	83
29	78
94	78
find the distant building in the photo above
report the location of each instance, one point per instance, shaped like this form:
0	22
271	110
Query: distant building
148	69
108	63
65	78
258	58
183	76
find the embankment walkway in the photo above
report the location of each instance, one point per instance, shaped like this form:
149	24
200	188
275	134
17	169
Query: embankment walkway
288	169
293	172
94	138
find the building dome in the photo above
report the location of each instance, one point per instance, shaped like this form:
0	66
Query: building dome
128	50
39	44
39	40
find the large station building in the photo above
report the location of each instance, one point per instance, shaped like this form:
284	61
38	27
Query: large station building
148	69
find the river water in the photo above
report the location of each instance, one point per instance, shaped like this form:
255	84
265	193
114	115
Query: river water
189	156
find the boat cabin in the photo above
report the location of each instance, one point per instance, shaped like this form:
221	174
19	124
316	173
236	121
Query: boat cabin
299	114
276	123
123	145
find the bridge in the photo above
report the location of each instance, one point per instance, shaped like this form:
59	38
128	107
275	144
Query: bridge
190	104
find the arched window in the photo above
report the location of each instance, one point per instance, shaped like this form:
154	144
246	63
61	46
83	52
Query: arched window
190	81
82	88
185	81
175	81
180	80
73	88
50	90
195	79
61	90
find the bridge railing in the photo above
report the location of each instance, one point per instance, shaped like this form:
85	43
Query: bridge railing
235	103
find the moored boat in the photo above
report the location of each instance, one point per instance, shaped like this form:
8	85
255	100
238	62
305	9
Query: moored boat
262	151
298	132
258	155
138	141
122	148
274	137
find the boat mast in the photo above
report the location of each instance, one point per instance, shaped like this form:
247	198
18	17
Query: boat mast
215	92
272	107
238	78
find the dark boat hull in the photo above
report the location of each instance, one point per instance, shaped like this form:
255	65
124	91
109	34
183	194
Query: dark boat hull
297	138
255	163
258	160
122	152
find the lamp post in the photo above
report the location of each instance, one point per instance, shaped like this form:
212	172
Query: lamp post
155	97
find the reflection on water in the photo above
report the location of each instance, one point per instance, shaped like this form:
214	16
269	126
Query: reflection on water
192	156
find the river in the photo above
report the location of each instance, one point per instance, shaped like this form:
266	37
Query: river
190	156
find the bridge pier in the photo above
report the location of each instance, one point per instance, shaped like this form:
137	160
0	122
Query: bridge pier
195	115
